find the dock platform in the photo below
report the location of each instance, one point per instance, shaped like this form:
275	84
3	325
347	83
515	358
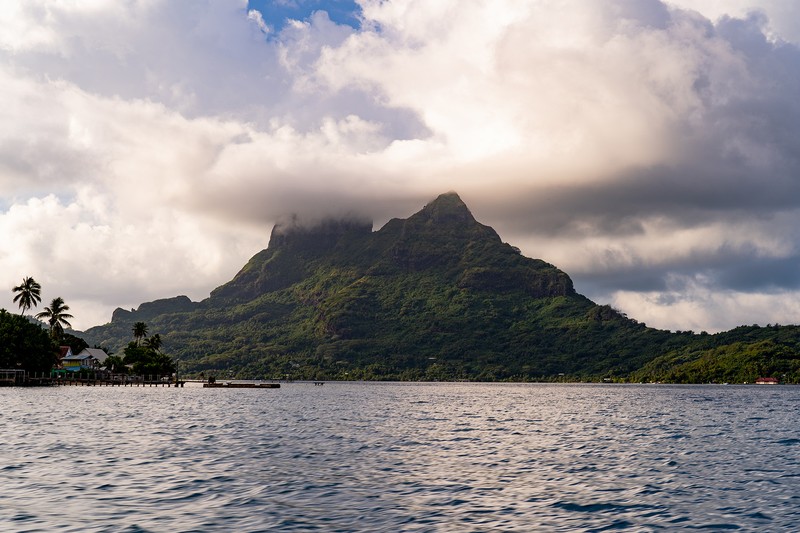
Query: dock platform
227	385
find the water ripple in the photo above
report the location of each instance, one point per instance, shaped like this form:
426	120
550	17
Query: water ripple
400	457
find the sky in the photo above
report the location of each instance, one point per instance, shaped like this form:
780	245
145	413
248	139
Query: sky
648	148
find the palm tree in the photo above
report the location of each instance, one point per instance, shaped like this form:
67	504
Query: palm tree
139	332
154	342
56	316
29	294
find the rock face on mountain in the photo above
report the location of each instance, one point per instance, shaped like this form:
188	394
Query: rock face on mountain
291	248
444	236
149	310
434	296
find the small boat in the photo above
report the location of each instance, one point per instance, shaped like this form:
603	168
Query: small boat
767	381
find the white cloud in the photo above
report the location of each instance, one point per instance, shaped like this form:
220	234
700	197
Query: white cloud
146	148
692	304
783	15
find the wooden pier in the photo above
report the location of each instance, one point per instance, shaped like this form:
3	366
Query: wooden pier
127	381
10	377
21	378
60	378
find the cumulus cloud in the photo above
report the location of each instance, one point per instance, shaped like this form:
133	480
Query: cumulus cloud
780	22
649	149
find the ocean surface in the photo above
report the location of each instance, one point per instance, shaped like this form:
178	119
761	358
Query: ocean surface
401	457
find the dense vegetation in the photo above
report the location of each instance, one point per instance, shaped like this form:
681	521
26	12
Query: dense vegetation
437	296
24	345
741	355
146	359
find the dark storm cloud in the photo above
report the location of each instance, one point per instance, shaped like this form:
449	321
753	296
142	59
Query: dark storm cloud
686	196
723	270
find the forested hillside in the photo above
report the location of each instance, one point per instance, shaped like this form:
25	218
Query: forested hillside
434	296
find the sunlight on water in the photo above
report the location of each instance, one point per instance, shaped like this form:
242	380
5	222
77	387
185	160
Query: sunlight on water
400	457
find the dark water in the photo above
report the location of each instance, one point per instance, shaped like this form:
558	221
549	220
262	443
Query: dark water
401	457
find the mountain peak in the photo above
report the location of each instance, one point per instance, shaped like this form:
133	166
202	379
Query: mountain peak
447	208
449	196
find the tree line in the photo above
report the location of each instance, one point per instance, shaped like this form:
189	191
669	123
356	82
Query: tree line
26	346
143	355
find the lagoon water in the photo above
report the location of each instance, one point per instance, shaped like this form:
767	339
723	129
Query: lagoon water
401	457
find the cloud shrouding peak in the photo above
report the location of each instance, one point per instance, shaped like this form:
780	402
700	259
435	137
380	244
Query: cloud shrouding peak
650	151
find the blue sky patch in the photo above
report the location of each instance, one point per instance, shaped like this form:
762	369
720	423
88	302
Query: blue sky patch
277	12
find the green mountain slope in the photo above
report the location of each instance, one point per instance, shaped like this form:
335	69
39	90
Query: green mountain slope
434	296
740	355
